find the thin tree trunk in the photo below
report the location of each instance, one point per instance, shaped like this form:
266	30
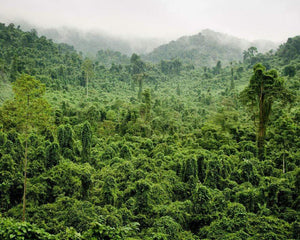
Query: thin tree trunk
140	81
232	79
87	86
261	127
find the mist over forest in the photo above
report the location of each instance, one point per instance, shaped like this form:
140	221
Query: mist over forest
90	42
110	137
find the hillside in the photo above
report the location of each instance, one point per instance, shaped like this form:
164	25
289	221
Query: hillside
206	49
25	52
146	151
290	50
90	42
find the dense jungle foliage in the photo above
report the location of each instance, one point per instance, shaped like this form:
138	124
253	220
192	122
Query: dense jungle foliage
120	148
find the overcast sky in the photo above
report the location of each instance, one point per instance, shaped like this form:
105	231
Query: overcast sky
250	19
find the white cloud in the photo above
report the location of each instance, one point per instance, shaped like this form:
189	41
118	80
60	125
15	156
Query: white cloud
253	19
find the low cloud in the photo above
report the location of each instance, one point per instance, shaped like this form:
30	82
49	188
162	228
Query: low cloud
273	20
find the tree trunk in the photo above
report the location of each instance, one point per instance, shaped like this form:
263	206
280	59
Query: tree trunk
87	86
140	81
261	127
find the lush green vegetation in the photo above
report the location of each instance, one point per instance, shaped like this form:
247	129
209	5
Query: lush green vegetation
205	49
136	150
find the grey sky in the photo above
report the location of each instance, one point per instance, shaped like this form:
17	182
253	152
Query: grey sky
250	19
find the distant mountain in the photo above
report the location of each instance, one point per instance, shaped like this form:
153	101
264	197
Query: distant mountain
206	48
203	49
263	46
90	42
86	42
54	64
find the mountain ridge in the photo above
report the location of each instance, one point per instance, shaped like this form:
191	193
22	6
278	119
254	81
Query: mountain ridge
206	48
90	42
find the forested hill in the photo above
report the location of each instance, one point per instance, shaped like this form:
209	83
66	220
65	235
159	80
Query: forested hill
206	48
290	51
90	42
119	148
54	64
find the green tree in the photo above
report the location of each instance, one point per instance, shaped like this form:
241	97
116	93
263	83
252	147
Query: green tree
52	155
108	195
201	166
139	78
147	99
137	65
178	91
143	189
31	111
7	175
125	152
289	71
88	68
218	68
65	140
264	88
86	138
232	78
249	54
190	168
290	50
138	72
10	229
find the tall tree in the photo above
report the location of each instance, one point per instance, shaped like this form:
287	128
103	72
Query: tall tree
87	67
65	140
232	78
137	70
31	111
249	54
137	65
218	68
86	138
264	88
147	99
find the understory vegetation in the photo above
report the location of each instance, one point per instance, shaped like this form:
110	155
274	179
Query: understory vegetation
141	150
